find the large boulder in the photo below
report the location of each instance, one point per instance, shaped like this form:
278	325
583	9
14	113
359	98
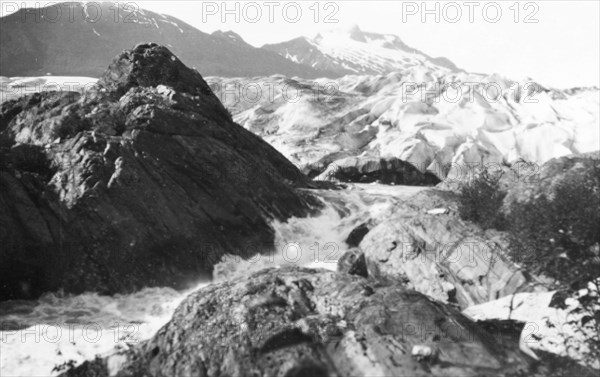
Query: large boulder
143	180
303	322
427	245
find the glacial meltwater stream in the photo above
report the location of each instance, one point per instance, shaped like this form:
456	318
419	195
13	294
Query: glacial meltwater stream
42	337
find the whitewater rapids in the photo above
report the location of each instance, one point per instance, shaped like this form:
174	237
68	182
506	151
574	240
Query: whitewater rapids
41	337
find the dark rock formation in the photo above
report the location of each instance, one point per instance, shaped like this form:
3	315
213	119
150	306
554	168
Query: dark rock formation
387	171
303	322
353	262
357	234
145	180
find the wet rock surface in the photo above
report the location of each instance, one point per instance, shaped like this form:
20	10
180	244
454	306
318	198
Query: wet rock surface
440	255
357	234
299	322
144	180
353	262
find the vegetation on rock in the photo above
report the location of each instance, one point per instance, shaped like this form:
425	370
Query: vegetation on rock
553	224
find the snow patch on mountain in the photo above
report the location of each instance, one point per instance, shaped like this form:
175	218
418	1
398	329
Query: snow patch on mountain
353	51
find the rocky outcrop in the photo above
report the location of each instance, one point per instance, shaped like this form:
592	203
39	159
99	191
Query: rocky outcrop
353	262
144	180
357	234
426	245
367	170
305	322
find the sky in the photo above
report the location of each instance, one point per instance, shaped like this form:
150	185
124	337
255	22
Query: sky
556	43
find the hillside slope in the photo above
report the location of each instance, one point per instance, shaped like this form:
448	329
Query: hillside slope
75	39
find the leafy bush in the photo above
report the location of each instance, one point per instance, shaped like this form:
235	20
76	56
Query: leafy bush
556	233
480	200
559	236
586	319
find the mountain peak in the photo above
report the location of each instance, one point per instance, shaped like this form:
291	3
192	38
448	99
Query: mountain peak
350	50
352	31
356	33
150	65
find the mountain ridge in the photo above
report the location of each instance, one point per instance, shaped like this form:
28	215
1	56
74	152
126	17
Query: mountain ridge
343	50
35	44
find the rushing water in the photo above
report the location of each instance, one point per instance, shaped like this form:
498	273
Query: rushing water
39	336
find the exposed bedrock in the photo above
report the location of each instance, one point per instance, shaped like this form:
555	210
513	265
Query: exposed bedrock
305	322
426	245
387	171
144	180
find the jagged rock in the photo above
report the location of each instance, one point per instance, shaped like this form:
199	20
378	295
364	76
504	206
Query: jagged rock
150	65
357	234
366	170
441	255
144	180
301	322
353	262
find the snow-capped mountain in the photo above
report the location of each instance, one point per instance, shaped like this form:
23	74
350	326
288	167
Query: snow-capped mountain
79	42
34	43
353	51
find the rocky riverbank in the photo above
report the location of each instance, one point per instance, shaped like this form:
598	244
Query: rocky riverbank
301	322
144	180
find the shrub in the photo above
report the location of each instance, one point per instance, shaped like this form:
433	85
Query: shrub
555	232
480	200
559	234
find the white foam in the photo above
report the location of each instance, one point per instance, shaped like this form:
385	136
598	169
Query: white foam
74	328
60	328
